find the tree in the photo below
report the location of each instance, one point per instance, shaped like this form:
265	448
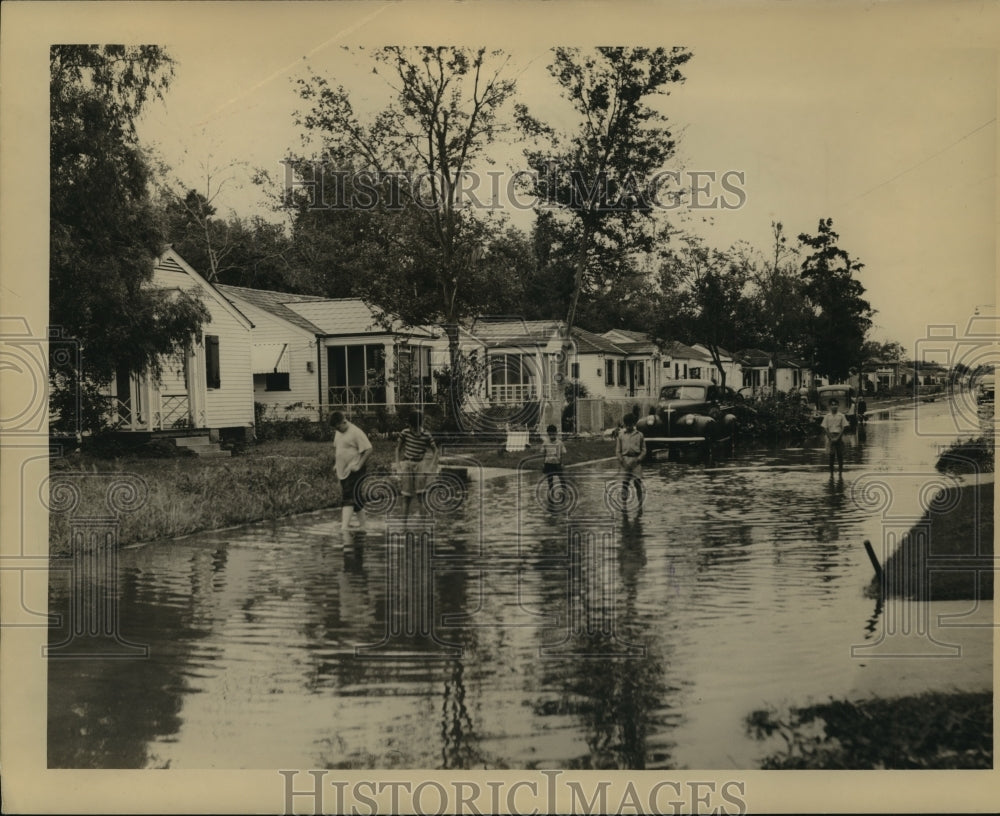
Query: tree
598	175
423	253
782	314
705	299
842	316
104	231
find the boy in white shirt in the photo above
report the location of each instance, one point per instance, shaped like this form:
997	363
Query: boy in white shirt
352	451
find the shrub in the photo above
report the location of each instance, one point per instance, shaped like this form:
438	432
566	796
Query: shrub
781	416
970	456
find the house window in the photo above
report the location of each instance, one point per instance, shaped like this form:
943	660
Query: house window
357	375
511	378
642	373
622	372
695	373
213	376
574	371
276	382
609	373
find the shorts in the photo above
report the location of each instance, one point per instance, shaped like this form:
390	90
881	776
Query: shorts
414	477
350	493
552	469
632	466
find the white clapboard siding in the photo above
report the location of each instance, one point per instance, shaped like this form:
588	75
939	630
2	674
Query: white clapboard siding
230	405
300	354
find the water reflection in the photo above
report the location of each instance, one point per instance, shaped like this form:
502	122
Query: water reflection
523	636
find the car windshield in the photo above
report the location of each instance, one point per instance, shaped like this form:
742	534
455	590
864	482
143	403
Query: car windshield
841	396
683	392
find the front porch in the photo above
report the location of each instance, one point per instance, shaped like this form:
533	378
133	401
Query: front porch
144	403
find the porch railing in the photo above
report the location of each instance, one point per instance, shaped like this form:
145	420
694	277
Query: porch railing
356	396
517	393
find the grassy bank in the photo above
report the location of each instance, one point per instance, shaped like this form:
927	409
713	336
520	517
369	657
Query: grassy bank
922	732
267	481
189	494
958	519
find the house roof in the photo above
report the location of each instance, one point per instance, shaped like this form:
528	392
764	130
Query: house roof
638	347
513	331
632	335
755	358
673	348
320	315
590	343
273	303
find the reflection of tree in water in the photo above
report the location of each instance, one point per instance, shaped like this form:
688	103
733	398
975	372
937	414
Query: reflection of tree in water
620	698
355	605
105	712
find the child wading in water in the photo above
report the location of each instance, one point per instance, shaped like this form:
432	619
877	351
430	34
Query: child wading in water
414	472
554	451
631	449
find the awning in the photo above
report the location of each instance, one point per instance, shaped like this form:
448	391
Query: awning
269	358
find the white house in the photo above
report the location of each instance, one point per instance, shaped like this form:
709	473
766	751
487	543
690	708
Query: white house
314	354
732	367
643	374
769	372
683	362
206	386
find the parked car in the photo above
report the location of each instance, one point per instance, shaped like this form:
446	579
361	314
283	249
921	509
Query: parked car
692	411
845	397
984	390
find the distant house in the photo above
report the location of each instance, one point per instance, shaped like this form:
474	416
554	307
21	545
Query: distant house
520	357
643	372
683	362
769	372
878	375
205	386
732	367
311	355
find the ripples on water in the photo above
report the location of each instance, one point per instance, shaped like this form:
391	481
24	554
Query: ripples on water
739	587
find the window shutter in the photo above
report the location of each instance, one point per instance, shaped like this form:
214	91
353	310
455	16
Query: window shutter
213	378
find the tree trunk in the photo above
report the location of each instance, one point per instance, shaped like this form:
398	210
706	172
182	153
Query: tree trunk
558	400
453	405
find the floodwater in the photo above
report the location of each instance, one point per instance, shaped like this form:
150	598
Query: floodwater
505	633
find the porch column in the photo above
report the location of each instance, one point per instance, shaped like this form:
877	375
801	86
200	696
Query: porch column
196	401
390	366
147	385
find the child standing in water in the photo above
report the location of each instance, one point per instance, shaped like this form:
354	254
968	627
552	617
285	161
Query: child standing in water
630	450
554	451
412	447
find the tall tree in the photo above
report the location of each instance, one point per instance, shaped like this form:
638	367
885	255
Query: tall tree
445	111
781	314
842	315
104	231
598	175
705	299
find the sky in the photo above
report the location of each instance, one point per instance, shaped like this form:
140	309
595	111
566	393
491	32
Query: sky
892	137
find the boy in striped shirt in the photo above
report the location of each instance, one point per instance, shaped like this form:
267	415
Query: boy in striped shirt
412	447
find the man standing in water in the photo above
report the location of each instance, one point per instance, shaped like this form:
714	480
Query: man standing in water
352	450
834	424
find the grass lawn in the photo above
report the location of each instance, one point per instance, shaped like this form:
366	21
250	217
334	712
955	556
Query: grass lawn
958	519
925	731
268	481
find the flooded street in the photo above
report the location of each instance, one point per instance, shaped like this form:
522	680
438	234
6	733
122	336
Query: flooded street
518	635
